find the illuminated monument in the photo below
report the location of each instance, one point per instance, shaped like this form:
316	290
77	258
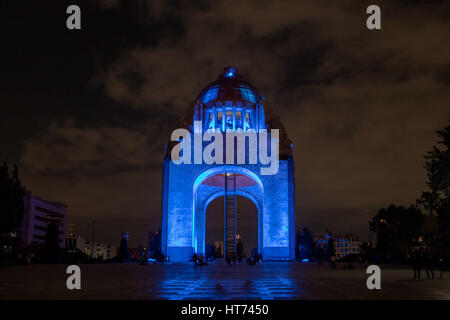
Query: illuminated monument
229	104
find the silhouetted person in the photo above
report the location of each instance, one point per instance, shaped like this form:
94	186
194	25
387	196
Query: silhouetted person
429	264
252	260
256	256
444	264
333	262
417	264
239	250
321	256
363	260
200	261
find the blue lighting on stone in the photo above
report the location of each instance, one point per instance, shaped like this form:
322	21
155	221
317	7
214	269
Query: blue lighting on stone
210	94
230	103
248	94
230	72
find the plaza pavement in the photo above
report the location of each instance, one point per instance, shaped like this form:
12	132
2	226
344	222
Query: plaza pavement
269	280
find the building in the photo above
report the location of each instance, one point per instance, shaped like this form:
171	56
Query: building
71	230
321	239
39	213
344	245
74	241
228	107
138	254
154	244
124	253
100	250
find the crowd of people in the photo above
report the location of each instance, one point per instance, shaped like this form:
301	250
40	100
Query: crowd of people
425	259
252	260
421	259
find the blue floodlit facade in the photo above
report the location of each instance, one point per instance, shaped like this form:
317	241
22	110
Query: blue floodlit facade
228	104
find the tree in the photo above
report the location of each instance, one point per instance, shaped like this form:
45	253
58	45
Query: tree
11	200
154	244
398	229
331	251
124	254
436	199
437	165
305	244
11	209
50	251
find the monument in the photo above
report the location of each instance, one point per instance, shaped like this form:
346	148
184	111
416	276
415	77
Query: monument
228	110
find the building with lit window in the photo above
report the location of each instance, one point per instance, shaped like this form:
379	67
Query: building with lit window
138	254
39	213
230	105
74	241
344	245
100	250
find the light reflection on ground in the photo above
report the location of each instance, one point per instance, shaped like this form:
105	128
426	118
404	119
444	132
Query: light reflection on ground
270	280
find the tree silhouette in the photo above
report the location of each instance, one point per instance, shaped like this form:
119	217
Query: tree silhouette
50	250
436	200
11	209
397	229
437	165
154	245
11	200
331	251
124	254
305	245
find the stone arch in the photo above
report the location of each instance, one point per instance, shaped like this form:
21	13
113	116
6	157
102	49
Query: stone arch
201	202
230	169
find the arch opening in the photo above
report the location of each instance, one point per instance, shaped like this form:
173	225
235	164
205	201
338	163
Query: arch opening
246	227
230	103
211	185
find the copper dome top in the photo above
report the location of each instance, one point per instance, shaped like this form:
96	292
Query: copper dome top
230	86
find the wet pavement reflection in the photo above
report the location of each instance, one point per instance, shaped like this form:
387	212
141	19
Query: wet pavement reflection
267	281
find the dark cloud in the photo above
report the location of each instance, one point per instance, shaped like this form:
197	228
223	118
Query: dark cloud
67	149
360	106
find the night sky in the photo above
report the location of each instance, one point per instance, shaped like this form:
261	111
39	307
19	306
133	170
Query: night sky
86	114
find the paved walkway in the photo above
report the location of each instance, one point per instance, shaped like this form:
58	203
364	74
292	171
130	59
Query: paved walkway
270	280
